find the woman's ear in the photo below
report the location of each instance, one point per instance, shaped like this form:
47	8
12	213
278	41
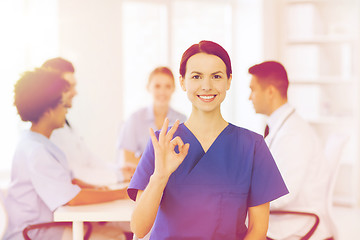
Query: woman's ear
182	83
229	82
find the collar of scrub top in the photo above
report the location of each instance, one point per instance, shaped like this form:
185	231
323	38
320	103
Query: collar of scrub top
277	120
45	141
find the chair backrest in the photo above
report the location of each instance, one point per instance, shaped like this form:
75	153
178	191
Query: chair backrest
3	216
332	151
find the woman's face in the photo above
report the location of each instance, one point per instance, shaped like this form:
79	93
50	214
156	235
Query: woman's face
205	81
161	87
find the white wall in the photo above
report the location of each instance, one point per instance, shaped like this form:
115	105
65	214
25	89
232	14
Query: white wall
90	37
248	49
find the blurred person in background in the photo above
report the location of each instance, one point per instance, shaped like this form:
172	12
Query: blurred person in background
41	180
296	149
134	134
82	161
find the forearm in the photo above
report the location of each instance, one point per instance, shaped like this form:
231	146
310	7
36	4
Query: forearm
258	217
147	206
255	234
82	184
90	196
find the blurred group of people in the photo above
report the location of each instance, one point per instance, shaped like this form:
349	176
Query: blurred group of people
180	174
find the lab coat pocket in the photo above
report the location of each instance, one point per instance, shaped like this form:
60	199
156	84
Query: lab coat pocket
232	214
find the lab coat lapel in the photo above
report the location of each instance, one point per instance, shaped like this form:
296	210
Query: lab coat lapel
278	125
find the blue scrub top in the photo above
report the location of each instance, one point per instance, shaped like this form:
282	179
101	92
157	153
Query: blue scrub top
208	195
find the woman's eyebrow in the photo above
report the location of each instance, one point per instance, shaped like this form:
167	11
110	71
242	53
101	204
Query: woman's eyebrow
217	72
195	72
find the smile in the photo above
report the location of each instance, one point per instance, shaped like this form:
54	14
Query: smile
207	98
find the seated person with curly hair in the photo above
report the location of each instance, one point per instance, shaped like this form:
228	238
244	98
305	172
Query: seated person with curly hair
40	177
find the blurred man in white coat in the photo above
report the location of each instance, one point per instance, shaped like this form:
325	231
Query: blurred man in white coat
297	152
82	161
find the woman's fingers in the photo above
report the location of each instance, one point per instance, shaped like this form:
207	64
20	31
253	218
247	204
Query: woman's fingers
183	148
153	138
165	140
177	142
172	130
163	130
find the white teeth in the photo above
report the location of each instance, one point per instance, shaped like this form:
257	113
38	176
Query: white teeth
207	97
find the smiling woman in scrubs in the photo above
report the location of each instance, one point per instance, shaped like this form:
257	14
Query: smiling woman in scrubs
200	179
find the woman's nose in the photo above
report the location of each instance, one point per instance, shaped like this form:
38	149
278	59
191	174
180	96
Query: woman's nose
206	84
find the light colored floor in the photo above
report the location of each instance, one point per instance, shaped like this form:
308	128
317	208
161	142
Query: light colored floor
348	222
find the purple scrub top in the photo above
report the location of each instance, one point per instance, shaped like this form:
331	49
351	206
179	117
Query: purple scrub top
208	195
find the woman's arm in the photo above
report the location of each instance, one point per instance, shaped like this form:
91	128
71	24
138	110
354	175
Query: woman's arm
258	222
166	162
90	196
148	202
83	185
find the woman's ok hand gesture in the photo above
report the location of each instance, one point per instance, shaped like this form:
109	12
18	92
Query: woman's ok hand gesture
166	159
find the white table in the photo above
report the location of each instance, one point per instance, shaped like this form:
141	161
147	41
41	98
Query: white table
115	211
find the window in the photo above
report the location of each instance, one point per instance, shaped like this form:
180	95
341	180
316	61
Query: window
144	48
158	32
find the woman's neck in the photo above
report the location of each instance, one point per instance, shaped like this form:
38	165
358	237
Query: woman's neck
206	122
160	110
206	126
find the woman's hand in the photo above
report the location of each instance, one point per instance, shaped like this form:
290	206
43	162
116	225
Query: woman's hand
166	159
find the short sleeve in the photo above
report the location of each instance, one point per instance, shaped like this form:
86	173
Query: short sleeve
127	136
51	180
267	183
143	171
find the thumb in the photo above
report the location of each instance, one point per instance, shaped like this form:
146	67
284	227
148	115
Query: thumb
184	150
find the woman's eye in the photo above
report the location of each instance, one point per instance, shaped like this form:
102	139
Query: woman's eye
196	77
217	76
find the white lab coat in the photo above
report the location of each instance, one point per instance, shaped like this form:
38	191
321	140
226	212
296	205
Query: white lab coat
83	163
299	157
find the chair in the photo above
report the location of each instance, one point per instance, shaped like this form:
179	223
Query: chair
332	153
55	224
313	215
4	222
